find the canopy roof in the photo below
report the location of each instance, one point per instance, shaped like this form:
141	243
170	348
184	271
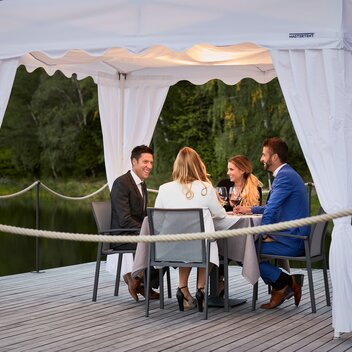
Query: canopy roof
136	25
195	40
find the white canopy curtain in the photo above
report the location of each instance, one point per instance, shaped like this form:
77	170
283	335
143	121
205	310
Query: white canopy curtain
129	110
7	76
317	86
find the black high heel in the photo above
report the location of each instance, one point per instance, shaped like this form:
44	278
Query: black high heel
181	299
200	299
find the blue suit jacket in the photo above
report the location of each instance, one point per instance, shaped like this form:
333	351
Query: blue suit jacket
288	201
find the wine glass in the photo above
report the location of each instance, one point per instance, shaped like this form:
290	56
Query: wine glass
237	201
222	191
234	200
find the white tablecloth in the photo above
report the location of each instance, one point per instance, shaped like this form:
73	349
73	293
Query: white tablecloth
242	248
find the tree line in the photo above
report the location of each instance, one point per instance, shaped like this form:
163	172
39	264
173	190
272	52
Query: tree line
52	127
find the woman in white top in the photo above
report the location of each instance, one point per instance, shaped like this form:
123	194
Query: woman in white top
191	188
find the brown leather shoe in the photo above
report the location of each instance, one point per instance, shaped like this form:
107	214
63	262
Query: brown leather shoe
133	285
297	283
277	298
288	293
152	294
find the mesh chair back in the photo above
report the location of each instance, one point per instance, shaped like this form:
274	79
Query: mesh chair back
102	217
177	221
317	236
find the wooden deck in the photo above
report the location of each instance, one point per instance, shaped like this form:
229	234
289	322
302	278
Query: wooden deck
53	311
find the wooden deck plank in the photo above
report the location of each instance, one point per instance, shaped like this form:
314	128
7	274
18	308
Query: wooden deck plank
53	311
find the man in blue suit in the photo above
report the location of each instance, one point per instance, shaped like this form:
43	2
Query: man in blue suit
287	200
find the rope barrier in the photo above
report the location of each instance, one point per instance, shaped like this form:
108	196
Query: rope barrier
74	198
20	192
152	190
53	192
89	195
175	237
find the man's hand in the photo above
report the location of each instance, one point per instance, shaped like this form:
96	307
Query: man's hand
240	209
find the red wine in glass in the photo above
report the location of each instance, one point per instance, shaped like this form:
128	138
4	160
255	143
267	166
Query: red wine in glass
236	201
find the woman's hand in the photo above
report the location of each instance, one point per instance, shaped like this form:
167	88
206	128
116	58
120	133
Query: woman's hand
240	209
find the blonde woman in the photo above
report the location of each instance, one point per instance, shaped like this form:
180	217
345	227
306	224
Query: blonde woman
191	188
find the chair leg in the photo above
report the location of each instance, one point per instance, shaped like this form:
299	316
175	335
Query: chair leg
147	283
96	280
161	287
226	277
206	293
118	275
206	288
311	286
169	294
97	270
326	282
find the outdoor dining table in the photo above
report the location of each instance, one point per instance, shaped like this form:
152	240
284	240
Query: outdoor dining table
240	249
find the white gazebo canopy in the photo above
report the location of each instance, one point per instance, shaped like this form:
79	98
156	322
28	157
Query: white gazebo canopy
136	49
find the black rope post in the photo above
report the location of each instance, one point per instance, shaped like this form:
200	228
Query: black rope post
37	225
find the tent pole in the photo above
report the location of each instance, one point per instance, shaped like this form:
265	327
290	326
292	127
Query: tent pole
121	121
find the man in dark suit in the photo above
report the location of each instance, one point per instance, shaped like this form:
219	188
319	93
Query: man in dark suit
287	201
129	200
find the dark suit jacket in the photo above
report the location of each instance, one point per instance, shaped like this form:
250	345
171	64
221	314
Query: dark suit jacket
288	201
127	206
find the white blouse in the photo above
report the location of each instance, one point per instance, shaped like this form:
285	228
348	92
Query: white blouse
173	195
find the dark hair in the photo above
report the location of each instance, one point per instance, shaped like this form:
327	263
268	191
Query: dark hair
139	150
277	146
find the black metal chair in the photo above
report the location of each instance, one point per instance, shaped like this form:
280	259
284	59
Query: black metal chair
193	253
314	252
102	216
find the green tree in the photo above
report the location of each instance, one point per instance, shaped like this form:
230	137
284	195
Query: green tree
52	127
18	135
183	121
243	116
70	138
219	121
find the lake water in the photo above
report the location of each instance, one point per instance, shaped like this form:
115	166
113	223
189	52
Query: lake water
18	252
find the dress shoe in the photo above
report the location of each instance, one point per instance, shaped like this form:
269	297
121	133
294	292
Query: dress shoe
152	294
277	297
289	293
297	283
133	285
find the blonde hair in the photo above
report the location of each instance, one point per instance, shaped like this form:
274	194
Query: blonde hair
249	194
189	167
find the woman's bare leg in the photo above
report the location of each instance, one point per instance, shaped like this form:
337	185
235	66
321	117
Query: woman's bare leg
183	275
201	276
